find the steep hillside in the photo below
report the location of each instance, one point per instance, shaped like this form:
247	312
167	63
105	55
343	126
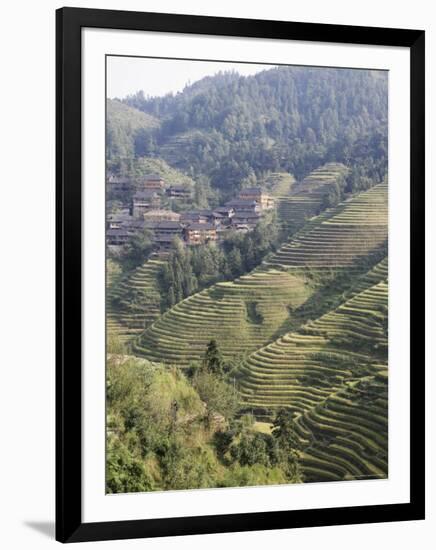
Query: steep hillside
308	197
241	315
280	295
300	369
346	436
134	302
356	228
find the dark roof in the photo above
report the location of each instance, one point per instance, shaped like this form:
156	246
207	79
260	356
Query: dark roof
164	224
217	214
245	217
134	223
203	226
179	188
242	212
241	202
193	214
203	212
223	209
251	190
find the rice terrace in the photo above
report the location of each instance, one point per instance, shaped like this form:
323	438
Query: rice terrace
247	278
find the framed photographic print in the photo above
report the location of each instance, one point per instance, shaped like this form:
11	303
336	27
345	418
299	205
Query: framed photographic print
240	274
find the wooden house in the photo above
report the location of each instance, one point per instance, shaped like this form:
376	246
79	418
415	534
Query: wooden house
178	192
143	201
200	233
152	182
265	201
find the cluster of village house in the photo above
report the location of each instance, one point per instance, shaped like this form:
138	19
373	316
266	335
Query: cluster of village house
193	227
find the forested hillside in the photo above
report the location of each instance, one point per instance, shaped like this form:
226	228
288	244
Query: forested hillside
124	126
232	129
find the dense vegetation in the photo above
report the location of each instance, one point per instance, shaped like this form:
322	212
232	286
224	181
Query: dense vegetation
188	270
231	129
167	431
124	124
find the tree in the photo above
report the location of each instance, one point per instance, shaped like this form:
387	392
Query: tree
137	251
288	444
235	262
219	396
284	430
251	449
213	360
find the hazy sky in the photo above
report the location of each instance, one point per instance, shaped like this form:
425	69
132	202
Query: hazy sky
127	75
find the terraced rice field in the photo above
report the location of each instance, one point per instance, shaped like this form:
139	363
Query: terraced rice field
257	308
307	196
339	237
346	436
241	315
302	368
333	374
134	302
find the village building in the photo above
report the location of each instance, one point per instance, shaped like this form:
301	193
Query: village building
117	237
118	186
244	204
178	192
172	228
163	242
226	211
217	218
117	219
159	215
195	216
151	182
134	225
245	219
143	201
200	233
265	201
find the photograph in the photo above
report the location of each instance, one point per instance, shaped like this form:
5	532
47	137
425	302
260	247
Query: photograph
246	231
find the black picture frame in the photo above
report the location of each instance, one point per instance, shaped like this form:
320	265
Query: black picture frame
69	525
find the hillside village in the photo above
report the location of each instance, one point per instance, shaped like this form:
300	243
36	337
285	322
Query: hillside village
145	211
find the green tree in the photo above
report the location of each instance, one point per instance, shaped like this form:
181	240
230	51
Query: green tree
213	360
288	444
219	396
137	251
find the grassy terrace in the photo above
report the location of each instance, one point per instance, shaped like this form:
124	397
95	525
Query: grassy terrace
242	315
277	297
340	237
280	184
134	302
302	368
306	198
346	435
